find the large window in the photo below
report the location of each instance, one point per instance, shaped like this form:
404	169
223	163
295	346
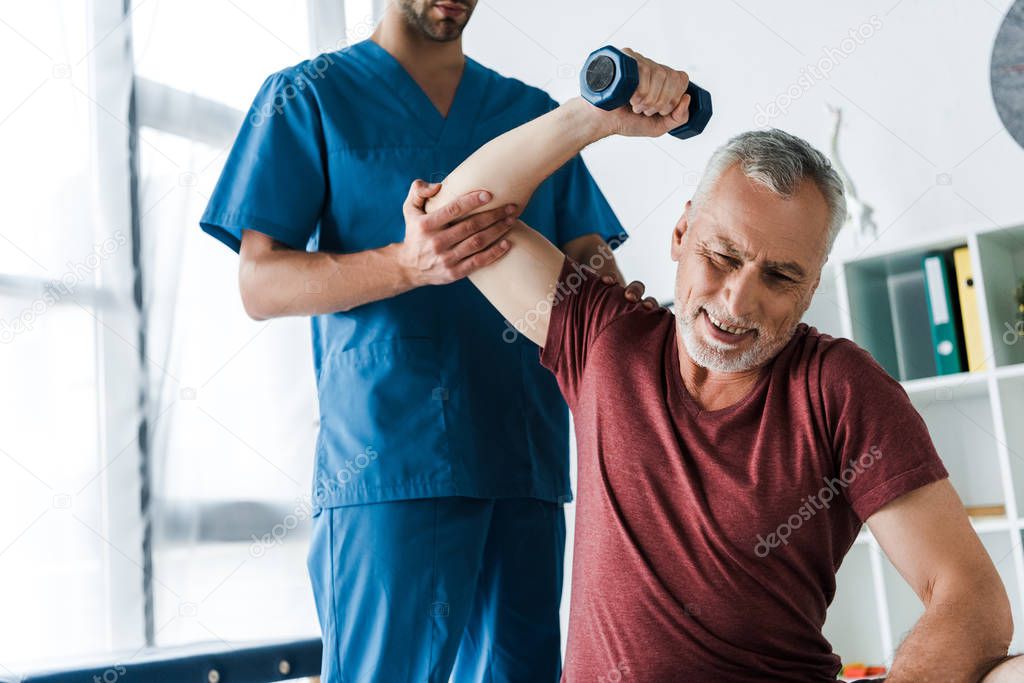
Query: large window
156	445
62	309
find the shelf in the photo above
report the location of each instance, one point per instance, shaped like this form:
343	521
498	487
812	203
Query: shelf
975	419
887	303
1009	371
971	382
946	386
889	310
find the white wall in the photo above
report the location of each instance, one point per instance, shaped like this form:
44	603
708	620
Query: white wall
915	94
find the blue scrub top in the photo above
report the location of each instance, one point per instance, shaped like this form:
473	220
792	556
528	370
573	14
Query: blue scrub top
423	394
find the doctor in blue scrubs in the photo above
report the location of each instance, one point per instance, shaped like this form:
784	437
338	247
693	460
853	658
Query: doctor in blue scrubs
442	456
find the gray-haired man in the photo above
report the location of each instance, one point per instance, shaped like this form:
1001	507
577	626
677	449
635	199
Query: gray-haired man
728	454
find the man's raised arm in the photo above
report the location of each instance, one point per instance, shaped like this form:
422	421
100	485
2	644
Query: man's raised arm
510	167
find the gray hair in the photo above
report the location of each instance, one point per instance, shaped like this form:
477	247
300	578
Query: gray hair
779	161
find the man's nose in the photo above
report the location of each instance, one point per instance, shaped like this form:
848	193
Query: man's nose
743	294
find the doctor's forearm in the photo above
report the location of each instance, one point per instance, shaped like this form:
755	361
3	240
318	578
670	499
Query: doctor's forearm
512	165
278	282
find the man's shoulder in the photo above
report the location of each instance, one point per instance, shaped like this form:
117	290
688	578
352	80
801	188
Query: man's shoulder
837	365
309	73
839	355
618	318
816	345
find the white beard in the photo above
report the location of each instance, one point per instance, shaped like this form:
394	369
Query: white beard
714	355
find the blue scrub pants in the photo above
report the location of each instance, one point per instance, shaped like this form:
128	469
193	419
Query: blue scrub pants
439	589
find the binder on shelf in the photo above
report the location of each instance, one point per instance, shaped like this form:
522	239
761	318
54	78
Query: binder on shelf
941	307
910	325
969	317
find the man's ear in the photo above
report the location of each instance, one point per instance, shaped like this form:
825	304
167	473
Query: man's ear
679	232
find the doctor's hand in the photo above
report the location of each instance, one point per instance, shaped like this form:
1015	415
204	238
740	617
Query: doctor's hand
634	292
658	105
447	244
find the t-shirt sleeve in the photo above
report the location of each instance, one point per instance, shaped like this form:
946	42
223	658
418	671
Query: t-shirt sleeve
583	307
580	206
274	180
881	443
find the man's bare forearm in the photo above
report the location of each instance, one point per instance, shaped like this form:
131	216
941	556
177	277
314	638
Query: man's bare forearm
281	282
959	640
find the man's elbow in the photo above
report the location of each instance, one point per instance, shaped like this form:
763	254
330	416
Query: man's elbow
994	603
981	613
1004	620
998	666
998	603
980	601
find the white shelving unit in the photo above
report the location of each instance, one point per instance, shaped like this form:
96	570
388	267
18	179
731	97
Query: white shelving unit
976	419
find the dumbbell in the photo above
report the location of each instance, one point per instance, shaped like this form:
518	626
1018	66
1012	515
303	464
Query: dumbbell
609	78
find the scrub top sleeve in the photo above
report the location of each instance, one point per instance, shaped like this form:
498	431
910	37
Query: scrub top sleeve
274	180
581	207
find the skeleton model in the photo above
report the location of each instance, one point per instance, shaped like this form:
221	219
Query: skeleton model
858	213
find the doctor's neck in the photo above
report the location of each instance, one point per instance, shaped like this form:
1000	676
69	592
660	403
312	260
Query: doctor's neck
425	35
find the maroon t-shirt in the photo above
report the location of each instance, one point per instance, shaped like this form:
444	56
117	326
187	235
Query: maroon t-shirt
707	542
